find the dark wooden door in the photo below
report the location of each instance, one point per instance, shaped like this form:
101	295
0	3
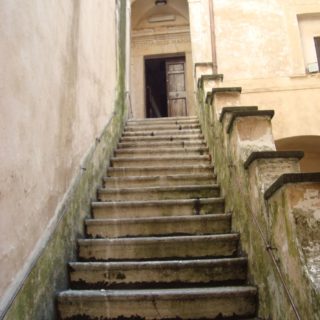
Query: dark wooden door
317	44
176	88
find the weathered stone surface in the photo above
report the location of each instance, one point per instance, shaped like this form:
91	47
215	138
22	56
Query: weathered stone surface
164	161
160	171
278	224
155	193
155	208
198	303
157	226
157	274
172	247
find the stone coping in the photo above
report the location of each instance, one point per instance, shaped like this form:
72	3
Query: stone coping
208	77
226	89
272	155
235	109
291	178
222	90
256	113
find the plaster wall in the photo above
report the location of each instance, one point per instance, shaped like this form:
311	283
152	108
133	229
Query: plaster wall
259	47
200	30
58	62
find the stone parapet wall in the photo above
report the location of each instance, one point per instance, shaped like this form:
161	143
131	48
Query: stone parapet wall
279	234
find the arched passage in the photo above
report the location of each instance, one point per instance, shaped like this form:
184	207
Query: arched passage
161	60
311	147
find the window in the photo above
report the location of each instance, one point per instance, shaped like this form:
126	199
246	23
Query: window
317	44
309	26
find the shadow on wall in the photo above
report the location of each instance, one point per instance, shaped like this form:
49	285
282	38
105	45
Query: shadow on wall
311	147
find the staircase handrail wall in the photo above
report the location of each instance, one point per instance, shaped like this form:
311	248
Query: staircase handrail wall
269	215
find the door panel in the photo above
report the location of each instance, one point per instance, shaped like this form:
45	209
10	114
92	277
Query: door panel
176	88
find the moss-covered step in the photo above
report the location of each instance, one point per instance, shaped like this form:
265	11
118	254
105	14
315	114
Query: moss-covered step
165	121
154	248
113	209
164	138
159	193
161	151
163	144
158	226
176	169
172	126
157	181
158	274
163	161
194	303
156	133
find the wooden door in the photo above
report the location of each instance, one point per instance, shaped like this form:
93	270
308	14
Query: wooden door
176	88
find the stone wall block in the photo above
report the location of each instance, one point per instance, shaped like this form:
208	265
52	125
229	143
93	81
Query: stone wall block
223	99
295	223
249	134
261	174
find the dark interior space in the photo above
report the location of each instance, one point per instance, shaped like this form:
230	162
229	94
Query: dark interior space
156	91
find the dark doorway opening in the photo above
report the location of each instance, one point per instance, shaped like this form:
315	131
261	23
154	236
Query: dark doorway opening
156	88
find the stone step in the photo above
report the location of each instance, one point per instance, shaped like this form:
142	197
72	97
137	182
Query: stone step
164	138
162	144
157	181
161	151
172	126
160	171
159	193
158	226
157	133
193	303
163	161
136	209
157	121
157	248
157	274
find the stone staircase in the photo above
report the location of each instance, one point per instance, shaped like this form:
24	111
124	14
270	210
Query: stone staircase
159	245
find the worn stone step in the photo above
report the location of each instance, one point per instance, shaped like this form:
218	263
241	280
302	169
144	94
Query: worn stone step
157	121
192	303
157	133
159	193
131	209
160	171
148	248
172	126
163	161
158	226
162	144
157	274
164	138
157	181
161	151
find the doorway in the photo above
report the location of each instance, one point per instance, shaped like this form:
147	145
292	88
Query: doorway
165	90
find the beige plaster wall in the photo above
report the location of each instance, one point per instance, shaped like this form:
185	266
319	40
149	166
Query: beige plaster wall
200	30
259	48
57	90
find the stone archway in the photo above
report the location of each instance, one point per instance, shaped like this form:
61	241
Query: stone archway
310	145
